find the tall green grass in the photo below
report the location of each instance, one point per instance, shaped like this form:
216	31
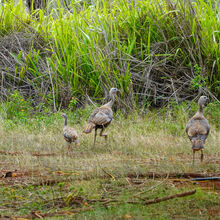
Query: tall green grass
139	47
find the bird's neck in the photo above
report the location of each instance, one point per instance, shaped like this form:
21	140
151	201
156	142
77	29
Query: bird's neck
65	122
111	102
200	109
199	113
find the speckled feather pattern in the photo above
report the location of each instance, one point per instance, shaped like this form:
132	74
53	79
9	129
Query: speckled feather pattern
70	135
101	116
197	130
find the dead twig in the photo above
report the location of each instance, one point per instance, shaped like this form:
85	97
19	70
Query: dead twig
109	174
171	175
32	153
43	215
88	98
157	200
10	153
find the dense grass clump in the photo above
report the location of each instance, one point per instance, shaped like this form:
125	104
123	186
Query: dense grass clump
153	51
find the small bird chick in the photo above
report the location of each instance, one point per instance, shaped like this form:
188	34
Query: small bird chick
69	134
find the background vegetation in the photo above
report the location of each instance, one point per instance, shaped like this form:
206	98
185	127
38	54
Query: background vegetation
153	51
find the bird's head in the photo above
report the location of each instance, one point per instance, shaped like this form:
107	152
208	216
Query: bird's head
113	91
203	101
63	115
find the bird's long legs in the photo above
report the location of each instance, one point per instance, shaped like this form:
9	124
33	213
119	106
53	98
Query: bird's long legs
103	135
193	156
202	155
95	137
68	147
201	158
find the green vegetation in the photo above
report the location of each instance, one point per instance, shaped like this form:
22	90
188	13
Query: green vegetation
46	199
18	111
151	50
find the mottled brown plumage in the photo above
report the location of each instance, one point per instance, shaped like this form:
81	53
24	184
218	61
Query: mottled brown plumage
198	128
102	116
69	134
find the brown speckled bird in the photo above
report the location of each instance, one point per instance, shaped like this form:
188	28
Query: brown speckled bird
198	128
69	134
101	117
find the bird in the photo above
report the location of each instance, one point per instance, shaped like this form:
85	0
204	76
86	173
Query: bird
69	134
101	117
198	128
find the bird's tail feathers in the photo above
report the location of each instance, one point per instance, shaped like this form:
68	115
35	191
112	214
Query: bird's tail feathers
89	128
197	144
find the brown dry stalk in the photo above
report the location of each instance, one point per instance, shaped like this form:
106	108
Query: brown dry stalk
109	174
171	175
10	153
32	153
129	175
147	175
157	200
40	215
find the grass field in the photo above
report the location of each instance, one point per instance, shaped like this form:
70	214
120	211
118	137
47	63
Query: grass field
146	156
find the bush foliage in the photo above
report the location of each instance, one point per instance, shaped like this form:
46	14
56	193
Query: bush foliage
153	51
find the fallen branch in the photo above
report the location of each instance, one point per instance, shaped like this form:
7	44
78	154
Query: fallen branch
154	175
10	153
38	214
157	200
31	153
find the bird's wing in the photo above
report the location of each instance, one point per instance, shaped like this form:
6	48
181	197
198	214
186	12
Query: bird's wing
197	128
101	116
188	126
93	114
70	134
204	125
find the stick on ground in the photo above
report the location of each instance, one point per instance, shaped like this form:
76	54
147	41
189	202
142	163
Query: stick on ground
157	200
